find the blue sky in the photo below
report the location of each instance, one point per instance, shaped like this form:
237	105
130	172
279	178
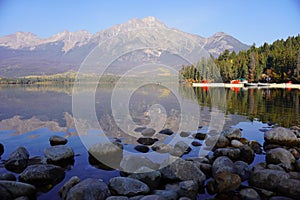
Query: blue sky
255	21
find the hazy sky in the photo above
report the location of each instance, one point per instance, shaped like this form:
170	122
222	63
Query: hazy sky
249	21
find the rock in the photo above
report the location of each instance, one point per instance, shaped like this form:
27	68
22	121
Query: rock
153	197
161	148
232	133
222	164
280	156
183	170
8	177
297	165
184	134
17	160
267	179
211	187
142	148
132	163
188	189
146	141
242	169
275	167
226	181
183	147
260	166
13	189
256	147
200	136
167	194
280	198
67	186
138	197
184	198
117	198
243	140
127	186
232	153
205	168
148	132
289	187
196	144
89	189
247	154
1	149
139	129
166	131
249	194
294	175
176	152
236	143
22	198
217	141
281	136
107	155
295	153
59	155
40	175
147	176
57	140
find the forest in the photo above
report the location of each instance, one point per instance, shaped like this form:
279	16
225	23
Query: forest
278	62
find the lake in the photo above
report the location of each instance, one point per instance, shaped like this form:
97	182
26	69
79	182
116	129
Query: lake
30	114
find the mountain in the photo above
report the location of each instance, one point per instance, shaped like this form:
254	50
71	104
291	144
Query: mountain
24	53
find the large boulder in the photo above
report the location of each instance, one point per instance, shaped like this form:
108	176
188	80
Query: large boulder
184	171
222	164
268	179
147	176
59	155
107	155
89	189
232	133
13	189
42	175
281	136
226	181
67	186
232	153
280	156
127	186
17	160
57	140
132	163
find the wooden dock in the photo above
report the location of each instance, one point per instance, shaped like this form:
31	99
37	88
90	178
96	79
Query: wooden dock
242	85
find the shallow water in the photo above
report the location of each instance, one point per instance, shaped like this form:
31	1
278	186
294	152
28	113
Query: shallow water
29	115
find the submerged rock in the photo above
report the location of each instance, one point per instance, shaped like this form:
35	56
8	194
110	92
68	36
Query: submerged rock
217	141
127	186
226	181
147	141
281	136
13	190
142	148
1	149
17	160
57	140
132	163
166	131
59	155
89	189
40	175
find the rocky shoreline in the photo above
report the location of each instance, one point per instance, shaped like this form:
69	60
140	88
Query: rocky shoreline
227	172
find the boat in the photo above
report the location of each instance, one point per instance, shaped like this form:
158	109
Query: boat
264	84
250	84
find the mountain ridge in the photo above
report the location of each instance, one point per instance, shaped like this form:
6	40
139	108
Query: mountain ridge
65	50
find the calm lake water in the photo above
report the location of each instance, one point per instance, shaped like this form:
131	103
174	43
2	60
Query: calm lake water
29	115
